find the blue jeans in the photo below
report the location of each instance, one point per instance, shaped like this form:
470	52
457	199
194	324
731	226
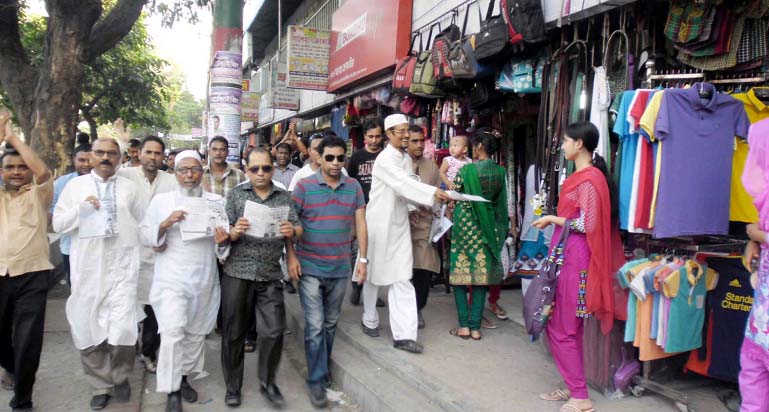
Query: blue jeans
322	303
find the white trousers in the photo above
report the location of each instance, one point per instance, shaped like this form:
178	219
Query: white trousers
402	305
180	354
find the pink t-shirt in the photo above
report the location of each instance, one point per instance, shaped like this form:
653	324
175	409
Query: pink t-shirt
454	166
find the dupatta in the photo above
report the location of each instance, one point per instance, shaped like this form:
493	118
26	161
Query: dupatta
492	219
586	190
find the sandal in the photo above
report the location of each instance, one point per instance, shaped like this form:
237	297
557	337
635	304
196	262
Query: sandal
498	311
249	347
571	408
455	332
556	395
476	335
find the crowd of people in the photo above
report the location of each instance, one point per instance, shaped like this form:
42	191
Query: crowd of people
137	276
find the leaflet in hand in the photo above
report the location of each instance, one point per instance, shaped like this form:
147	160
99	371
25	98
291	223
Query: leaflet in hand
441	224
264	220
465	197
98	223
203	217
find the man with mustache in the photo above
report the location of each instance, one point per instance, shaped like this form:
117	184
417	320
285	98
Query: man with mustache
102	309
185	288
82	161
150	181
24	266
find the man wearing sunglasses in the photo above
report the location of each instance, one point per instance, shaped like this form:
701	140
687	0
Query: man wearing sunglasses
390	256
329	205
253	279
313	163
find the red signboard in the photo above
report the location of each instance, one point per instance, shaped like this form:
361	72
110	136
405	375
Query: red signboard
367	37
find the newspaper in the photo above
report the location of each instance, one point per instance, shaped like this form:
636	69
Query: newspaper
465	197
441	225
264	220
203	217
98	223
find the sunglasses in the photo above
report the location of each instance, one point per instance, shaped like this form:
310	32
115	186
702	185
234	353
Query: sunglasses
330	158
264	168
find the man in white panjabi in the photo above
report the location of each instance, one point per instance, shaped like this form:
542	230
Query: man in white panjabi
185	290
389	237
150	181
102	309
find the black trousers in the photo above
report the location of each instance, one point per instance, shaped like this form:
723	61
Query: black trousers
66	268
22	319
150	336
240	298
422	280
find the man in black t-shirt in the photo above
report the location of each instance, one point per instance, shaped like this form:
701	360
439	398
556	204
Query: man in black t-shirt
360	166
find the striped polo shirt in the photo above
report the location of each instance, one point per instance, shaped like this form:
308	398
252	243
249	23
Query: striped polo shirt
328	220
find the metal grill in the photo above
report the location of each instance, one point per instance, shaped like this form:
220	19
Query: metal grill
321	19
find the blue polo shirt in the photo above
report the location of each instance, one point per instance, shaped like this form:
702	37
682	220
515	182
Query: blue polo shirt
328	219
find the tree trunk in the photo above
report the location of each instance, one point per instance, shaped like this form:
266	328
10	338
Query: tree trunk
91	123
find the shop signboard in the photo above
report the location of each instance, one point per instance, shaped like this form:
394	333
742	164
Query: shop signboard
249	107
266	113
282	96
308	51
367	37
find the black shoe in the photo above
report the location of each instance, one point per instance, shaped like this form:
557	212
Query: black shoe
122	392
272	393
408	345
174	402
420	320
355	294
27	407
232	399
289	287
99	402
380	303
188	393
318	396
372	332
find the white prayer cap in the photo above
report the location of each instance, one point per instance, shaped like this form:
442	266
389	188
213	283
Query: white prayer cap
394	120
187	154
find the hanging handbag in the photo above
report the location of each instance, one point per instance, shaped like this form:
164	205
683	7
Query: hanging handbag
539	297
522	76
424	83
462	59
616	62
410	105
441	47
493	39
483	95
404	68
629	368
525	21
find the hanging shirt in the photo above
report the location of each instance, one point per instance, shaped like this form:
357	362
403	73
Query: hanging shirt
629	142
687	307
599	110
185	268
104	271
697	160
647	124
741	208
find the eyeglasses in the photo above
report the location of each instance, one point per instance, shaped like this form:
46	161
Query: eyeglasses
264	168
185	170
401	132
330	158
110	153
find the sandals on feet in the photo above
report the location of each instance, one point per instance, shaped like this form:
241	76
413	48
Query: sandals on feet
571	408
455	332
556	395
476	335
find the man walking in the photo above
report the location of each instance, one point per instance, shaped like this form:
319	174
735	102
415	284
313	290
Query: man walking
389	237
102	211
220	177
427	263
150	181
284	169
253	279
327	205
185	288
361	164
313	163
82	160
24	266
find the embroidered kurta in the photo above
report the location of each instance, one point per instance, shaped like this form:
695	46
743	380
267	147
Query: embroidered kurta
104	271
387	217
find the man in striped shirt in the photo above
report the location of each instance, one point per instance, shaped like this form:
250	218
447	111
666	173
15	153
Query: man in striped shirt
329	205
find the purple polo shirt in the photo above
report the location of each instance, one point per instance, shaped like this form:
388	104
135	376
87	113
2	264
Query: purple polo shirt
697	149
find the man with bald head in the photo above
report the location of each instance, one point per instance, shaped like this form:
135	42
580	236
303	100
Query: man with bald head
102	309
185	288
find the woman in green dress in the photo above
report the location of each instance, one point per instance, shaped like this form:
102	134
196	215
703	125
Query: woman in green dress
478	233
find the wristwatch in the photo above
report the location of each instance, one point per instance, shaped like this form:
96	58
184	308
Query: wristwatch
363	260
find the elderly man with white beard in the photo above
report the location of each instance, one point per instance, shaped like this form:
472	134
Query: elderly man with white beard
185	289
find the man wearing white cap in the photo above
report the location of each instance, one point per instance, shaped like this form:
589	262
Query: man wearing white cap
102	309
389	237
150	181
185	289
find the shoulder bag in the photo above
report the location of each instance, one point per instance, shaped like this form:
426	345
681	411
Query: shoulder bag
424	82
616	61
539	297
404	68
441	46
525	21
493	39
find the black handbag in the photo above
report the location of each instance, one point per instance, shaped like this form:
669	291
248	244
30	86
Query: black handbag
493	39
462	54
483	95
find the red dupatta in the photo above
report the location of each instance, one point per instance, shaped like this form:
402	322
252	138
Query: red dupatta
586	190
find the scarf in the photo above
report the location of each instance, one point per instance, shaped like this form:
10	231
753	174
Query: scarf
755	176
586	190
492	217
